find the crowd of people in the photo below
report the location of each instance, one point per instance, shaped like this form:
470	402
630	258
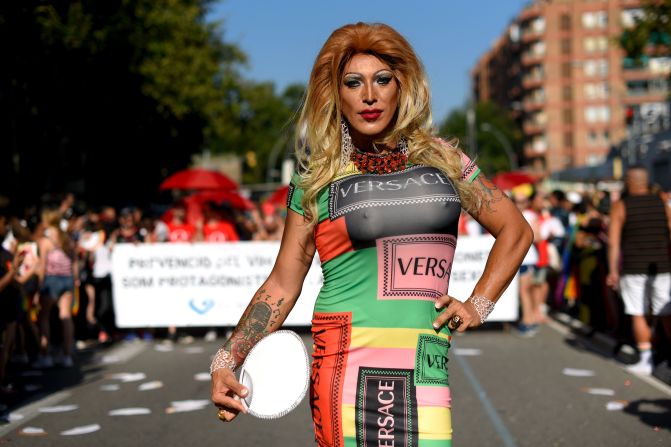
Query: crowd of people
586	263
55	269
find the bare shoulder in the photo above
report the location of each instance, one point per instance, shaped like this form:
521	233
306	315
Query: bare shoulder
489	195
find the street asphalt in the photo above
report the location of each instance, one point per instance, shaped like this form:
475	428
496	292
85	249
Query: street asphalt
550	390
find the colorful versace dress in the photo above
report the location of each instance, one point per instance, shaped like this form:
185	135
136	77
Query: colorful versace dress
379	371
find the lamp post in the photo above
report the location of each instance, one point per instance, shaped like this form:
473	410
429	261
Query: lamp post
505	144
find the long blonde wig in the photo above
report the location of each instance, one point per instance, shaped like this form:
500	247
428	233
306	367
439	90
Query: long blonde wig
318	136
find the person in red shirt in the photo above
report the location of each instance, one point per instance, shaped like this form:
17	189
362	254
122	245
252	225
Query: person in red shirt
216	228
178	229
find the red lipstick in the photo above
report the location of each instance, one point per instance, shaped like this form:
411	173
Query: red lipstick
370	114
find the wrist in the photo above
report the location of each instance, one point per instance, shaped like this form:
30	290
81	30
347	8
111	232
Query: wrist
482	305
223	359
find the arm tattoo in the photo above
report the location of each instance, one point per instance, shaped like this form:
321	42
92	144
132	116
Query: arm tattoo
489	194
260	318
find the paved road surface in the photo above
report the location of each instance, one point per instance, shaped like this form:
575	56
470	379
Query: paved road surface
507	391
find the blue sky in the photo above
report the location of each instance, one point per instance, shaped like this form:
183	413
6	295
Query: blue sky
282	38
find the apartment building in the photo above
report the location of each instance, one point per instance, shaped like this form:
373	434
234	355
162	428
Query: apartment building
559	69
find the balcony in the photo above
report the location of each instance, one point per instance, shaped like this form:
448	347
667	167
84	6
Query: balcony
635	74
532	105
530	12
532	58
533	128
531	35
532	81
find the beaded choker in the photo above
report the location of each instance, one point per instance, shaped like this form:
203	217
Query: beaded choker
381	163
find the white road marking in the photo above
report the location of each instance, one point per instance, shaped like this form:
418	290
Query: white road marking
599	391
202	377
83	430
156	384
129	411
59	409
616	405
31	411
128	377
576	372
33	431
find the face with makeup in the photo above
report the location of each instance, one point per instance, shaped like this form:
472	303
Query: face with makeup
369	99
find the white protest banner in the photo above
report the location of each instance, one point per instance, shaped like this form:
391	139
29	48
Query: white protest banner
469	263
210	284
202	284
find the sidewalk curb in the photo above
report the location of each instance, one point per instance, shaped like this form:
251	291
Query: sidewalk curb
599	340
603	341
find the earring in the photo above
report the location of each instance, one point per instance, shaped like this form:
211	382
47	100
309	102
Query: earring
346	146
403	147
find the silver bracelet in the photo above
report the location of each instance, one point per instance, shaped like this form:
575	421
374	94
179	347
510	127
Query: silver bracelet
222	359
482	305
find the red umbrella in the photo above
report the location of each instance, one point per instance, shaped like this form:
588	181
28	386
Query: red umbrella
198	178
508	180
279	197
231	198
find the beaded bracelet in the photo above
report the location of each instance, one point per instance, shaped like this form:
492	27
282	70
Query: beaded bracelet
222	359
482	305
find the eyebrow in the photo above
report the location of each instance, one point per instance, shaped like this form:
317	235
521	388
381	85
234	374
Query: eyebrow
374	74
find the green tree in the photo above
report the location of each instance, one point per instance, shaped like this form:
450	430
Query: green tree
651	33
491	156
265	122
107	97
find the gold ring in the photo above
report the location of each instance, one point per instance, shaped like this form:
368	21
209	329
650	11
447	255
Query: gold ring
221	414
456	321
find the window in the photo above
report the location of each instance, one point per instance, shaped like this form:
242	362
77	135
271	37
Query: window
594	67
637	87
538	48
565	22
660	65
592	139
602	43
597	114
589	44
568	139
595	19
538	25
565	46
567	93
589	67
602	67
566	69
567	116
658	85
595	44
539	144
596	90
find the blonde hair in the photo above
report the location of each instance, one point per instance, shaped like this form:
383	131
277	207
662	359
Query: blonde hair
318	134
52	218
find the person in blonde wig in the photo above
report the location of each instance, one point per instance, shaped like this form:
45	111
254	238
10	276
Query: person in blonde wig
378	195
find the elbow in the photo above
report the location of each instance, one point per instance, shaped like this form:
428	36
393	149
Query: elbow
526	237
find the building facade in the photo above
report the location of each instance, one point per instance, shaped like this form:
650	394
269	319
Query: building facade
559	69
